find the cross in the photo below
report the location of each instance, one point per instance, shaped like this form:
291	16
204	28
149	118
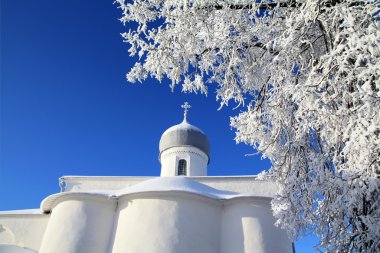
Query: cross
186	107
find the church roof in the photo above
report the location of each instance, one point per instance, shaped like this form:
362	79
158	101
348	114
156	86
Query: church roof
247	184
177	184
163	184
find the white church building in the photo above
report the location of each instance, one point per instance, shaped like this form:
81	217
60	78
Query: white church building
182	211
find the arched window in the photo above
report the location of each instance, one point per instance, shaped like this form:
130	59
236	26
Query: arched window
181	167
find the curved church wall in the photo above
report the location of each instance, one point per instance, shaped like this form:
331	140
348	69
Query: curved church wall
80	224
167	222
248	226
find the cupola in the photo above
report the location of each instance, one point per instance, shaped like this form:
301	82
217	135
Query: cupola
184	149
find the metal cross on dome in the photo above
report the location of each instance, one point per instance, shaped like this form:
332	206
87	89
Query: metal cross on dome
186	106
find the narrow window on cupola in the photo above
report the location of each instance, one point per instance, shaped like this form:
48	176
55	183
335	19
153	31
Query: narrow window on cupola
181	167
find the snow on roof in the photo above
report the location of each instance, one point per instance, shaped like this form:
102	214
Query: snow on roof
248	185
20	212
15	249
179	184
160	184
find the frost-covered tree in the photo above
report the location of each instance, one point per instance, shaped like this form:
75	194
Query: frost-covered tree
305	74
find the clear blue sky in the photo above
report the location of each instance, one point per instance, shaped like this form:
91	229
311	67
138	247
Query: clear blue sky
67	109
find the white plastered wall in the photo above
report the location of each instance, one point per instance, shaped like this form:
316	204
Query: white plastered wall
167	222
80	225
196	161
248	226
154	222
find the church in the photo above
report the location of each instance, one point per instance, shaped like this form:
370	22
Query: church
182	211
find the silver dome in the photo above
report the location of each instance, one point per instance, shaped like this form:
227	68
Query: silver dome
184	134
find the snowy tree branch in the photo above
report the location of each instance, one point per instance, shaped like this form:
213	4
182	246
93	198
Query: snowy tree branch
307	77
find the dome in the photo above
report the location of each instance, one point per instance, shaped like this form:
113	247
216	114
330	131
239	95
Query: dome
184	134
